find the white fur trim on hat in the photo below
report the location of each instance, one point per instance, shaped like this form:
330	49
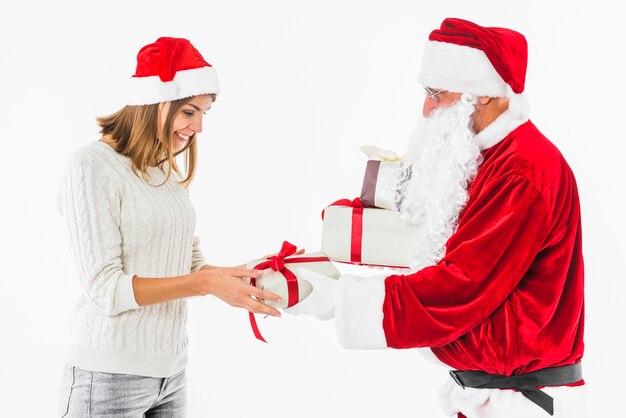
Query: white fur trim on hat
359	312
186	83
460	69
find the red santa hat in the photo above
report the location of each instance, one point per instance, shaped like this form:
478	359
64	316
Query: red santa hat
170	69
464	57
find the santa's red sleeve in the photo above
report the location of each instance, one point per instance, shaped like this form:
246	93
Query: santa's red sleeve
500	233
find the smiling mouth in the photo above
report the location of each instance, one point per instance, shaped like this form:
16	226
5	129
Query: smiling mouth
182	137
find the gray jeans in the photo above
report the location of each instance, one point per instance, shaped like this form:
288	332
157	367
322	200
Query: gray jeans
96	394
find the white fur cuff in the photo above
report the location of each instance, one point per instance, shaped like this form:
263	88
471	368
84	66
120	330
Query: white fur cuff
569	402
359	312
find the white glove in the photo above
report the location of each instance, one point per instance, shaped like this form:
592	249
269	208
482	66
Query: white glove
321	302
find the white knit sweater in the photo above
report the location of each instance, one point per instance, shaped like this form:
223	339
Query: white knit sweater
120	226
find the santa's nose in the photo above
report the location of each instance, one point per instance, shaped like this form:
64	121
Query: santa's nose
429	106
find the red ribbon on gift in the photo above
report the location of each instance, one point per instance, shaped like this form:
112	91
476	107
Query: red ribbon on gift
277	263
356	238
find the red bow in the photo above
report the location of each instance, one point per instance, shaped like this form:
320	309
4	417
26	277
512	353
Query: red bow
354	203
277	263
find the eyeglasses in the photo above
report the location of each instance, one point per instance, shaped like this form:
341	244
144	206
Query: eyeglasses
433	93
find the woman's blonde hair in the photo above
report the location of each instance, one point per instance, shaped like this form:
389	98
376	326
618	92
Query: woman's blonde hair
137	135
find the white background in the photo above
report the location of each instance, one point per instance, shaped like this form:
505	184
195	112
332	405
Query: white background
304	84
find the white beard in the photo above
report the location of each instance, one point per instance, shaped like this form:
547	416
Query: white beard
441	161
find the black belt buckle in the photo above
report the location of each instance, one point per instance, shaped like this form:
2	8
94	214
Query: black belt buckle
456	378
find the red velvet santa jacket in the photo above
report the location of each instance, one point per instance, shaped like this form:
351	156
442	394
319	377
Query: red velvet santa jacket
507	298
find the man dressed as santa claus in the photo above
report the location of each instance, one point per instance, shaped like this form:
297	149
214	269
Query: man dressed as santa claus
497	290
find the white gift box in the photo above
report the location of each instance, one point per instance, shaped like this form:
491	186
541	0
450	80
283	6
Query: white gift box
378	184
368	236
276	282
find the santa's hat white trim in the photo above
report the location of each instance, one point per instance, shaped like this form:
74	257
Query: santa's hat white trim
359	312
460	69
186	83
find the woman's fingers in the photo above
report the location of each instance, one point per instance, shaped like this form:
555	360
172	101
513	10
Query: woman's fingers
257	306
260	308
244	272
248	293
264	294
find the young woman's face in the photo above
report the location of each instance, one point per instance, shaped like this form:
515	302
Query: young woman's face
188	121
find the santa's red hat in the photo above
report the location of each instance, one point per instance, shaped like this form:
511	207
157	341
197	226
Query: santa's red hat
464	57
170	69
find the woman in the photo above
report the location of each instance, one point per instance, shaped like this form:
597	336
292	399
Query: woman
131	223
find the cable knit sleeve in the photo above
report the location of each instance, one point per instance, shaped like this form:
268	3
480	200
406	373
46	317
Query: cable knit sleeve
197	260
89	201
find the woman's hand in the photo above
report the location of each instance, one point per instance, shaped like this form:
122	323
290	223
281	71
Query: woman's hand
230	284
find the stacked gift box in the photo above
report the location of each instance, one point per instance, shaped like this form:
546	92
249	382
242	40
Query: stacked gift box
368	230
363	231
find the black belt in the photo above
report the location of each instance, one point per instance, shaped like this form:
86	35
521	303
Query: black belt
525	383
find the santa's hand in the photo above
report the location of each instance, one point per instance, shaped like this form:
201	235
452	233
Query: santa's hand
321	302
